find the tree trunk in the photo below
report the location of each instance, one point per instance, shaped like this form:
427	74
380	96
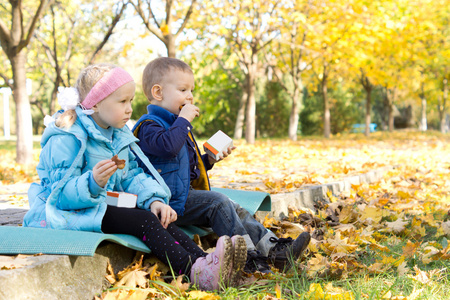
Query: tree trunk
368	88
368	109
423	119
239	126
24	126
326	106
391	117
170	45
250	128
294	116
57	82
390	98
442	120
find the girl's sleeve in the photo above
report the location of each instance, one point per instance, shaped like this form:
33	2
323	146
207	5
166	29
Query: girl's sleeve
61	152
143	185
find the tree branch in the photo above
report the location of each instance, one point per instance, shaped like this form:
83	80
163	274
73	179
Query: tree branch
5	35
69	48
153	29
6	79
29	29
186	18
168	10
108	33
48	51
153	15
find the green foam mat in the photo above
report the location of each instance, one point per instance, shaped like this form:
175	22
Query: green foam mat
250	200
28	240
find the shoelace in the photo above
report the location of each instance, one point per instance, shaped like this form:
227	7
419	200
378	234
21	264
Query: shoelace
256	256
281	243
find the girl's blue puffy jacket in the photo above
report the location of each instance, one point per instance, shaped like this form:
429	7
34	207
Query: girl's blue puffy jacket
63	200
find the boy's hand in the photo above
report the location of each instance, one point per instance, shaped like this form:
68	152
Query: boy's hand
102	171
222	156
164	212
189	112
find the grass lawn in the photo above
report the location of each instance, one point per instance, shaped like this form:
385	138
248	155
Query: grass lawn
386	240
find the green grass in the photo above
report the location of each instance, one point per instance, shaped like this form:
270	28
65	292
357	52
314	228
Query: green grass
10	145
362	284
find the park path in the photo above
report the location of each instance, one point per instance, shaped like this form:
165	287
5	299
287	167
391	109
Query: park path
13	203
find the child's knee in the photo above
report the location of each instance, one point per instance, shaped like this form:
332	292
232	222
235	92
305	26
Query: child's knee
222	200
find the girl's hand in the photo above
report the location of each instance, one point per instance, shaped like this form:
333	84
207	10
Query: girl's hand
102	171
164	212
222	156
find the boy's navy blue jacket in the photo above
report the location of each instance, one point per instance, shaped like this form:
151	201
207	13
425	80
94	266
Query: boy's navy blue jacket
170	146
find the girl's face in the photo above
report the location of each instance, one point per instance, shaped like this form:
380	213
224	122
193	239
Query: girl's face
115	110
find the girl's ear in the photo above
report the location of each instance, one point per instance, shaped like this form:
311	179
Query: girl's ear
95	107
157	93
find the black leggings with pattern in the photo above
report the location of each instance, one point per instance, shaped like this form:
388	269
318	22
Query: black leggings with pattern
171	245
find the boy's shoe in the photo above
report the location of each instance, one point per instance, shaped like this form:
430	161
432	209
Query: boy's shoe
256	262
287	250
207	272
239	259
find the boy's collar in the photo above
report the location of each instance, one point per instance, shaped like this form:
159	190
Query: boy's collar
162	112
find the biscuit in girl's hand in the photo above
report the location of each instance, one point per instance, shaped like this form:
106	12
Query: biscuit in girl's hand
120	163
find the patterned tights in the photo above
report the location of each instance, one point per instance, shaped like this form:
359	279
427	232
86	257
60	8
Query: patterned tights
171	245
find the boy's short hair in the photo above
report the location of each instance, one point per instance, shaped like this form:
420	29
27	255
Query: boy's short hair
157	69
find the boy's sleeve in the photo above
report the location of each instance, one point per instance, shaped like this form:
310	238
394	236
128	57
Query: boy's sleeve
157	141
143	185
206	163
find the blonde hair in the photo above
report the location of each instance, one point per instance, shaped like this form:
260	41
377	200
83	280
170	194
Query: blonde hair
88	77
156	71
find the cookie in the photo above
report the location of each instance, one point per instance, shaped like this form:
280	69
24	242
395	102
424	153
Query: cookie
120	163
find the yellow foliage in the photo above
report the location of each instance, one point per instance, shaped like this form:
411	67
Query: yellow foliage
329	293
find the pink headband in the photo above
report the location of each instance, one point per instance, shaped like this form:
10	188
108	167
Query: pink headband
108	84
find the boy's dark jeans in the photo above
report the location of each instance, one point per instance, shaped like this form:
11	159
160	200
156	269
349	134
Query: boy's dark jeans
225	217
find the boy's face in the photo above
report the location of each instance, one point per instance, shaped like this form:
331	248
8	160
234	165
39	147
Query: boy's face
175	90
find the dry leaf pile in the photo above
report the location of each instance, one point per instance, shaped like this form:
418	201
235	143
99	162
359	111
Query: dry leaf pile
11	173
284	166
398	226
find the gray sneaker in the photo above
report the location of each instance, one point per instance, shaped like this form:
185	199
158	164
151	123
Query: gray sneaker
256	262
287	250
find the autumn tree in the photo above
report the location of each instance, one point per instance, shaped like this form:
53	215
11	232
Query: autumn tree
165	20
16	32
362	62
65	30
395	70
330	47
429	33
288	56
247	27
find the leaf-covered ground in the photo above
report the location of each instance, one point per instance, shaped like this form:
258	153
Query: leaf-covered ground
387	240
283	166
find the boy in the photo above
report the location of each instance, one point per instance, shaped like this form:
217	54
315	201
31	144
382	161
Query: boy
165	135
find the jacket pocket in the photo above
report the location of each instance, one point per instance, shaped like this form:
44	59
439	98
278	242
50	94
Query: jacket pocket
166	168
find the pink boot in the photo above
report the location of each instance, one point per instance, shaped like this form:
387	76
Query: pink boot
207	272
239	259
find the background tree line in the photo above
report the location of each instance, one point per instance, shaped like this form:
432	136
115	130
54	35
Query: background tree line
267	68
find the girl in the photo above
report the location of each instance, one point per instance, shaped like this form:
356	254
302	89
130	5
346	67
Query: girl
76	170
